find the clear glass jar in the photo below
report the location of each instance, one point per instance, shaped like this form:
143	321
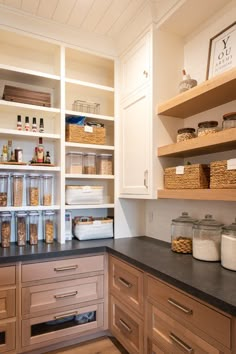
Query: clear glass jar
74	162
21	227
207	128
104	164
5	219
49	226
228	246
181	233
47	190
229	120
33	227
185	134
4	177
207	239
17	189
33	189
90	163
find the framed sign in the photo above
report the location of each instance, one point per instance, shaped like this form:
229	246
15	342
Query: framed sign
222	52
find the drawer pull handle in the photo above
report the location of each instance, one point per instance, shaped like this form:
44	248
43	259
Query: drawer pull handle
180	307
62	296
126	327
64	315
183	345
124	282
62	269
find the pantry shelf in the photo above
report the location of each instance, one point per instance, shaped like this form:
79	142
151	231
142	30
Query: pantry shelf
29	168
90	84
89	146
87	176
92	206
209	94
198	194
16	106
19	70
223	140
29	134
28	208
90	115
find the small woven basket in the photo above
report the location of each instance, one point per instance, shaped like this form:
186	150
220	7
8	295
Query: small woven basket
194	177
78	134
220	177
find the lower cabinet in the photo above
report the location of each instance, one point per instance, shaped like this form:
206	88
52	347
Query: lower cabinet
7	336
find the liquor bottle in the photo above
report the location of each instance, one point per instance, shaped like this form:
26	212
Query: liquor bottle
41	125
34	125
27	126
40	151
19	123
9	150
4	153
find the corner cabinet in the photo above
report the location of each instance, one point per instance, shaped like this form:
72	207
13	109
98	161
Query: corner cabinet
67	74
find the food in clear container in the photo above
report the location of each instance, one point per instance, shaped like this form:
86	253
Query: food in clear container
229	120
185	134
17	189
47	189
21	227
181	233
33	189
49	226
5	218
207	128
90	163
104	164
33	227
3	189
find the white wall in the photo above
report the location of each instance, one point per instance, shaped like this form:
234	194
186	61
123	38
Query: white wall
159	213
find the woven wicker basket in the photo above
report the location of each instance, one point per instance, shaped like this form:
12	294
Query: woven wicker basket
220	176
194	177
77	134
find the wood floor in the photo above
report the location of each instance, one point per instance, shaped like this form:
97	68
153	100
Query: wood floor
98	346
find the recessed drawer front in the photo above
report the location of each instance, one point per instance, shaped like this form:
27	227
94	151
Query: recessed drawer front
8	275
7	303
50	296
56	269
126	283
206	319
7	336
48	329
175	338
126	327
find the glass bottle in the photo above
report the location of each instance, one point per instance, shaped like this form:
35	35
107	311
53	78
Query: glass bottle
17	189
4	153
181	233
41	126
5	219
33	189
21	227
207	239
19	123
33	227
49	226
3	189
34	125
228	246
27	126
47	187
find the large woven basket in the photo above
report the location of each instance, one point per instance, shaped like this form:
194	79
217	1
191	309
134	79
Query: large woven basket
78	134
194	177
220	176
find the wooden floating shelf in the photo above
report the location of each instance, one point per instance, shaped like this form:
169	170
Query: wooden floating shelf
198	194
209	94
223	140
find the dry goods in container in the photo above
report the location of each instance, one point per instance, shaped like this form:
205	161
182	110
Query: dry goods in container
228	246
33	189
104	164
229	120
90	163
185	134
181	233
207	128
17	189
21	227
49	226
33	227
207	239
47	189
5	218
74	162
3	189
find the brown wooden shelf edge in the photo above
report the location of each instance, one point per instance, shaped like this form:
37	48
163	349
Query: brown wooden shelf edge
225	139
198	194
209	94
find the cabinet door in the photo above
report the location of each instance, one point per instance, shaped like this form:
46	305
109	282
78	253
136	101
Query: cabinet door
136	144
7	336
135	66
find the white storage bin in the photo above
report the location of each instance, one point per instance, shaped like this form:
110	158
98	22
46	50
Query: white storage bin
84	194
91	230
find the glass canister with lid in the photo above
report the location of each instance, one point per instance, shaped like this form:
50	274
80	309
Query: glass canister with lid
33	189
21	227
49	226
229	120
181	233
185	134
207	239
228	246
207	128
4	177
5	219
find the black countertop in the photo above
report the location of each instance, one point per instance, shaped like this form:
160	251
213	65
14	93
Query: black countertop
207	281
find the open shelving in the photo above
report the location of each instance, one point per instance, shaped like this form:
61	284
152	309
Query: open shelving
198	194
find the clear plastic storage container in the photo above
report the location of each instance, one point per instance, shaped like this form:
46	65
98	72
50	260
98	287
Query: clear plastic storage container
17	189
185	134
47	190
229	120
33	227
207	239
5	220
49	226
181	233
228	247
74	162
207	128
90	163
33	189
21	227
104	164
4	177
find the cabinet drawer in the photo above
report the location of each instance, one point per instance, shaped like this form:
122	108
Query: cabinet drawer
8	275
50	296
126	283
126	327
175	338
56	269
55	327
7	303
7	336
208	320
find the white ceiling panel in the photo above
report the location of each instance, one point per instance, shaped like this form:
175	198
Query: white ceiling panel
46	8
30	6
96	13
63	10
80	12
114	12
13	3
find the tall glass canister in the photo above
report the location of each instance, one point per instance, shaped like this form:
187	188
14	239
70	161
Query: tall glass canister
47	190
5	220
33	189
4	177
49	226
17	186
21	227
33	227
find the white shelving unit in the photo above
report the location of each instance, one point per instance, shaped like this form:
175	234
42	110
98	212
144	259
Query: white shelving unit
68	74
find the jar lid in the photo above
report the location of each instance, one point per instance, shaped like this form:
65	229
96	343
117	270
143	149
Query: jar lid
4	174
5	213
104	155
229	116
208	124
90	154
21	213
32	175
16	174
186	130
231	227
34	213
208	221
46	176
49	212
74	153
184	218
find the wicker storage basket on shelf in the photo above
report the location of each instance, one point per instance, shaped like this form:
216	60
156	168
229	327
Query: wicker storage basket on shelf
79	134
194	177
221	177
